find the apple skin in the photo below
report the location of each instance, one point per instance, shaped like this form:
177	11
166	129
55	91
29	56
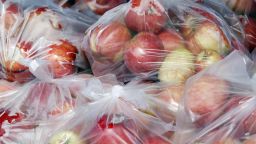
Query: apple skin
177	67
67	137
101	6
144	53
250	32
206	58
155	140
171	39
205	98
149	17
61	58
107	42
209	36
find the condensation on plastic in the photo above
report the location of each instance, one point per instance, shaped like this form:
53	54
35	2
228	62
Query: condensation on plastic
218	105
43	32
28	108
118	114
199	35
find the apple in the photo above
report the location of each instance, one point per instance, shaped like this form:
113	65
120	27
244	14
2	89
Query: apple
206	58
177	67
65	137
205	97
114	130
107	42
209	35
171	39
146	15
241	6
101	6
144	53
250	33
61	58
155	140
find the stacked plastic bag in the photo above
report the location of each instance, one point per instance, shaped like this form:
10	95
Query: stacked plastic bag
147	72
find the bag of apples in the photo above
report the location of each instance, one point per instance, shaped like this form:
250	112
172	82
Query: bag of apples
25	109
117	114
219	105
36	32
160	40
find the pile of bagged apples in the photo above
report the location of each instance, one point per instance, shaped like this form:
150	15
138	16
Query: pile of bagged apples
127	72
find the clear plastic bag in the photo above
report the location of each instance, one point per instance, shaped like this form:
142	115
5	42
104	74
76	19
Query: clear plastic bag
218	106
42	32
28	108
117	114
161	39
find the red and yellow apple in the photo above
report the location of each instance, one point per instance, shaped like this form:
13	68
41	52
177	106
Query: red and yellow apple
209	36
115	133
177	67
144	53
146	15
61	58
101	6
107	42
206	58
205	97
171	39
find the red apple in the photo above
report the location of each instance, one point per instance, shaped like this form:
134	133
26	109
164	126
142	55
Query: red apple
144	53
250	32
177	67
206	58
66	137
114	133
205	97
171	39
61	58
107	42
155	140
146	15
101	6
209	36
